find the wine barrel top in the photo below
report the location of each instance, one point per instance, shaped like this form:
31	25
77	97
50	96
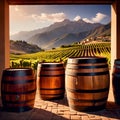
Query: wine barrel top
17	71
50	65
87	60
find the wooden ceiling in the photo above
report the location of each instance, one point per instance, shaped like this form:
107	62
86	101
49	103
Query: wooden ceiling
37	2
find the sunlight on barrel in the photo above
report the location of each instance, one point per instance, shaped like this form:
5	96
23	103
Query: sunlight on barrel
51	80
87	83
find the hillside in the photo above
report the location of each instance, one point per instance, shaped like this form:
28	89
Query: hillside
20	47
101	31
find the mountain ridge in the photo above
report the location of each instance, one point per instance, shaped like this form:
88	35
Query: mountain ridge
65	27
64	33
24	35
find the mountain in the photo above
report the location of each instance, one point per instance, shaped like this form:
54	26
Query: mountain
25	35
54	37
20	47
62	33
67	39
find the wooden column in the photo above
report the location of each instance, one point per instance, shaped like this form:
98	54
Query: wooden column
115	31
4	36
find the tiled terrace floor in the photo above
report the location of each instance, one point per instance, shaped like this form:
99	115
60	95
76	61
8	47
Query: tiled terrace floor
59	110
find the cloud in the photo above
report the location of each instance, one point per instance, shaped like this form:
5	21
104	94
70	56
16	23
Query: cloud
54	17
77	18
97	19
18	12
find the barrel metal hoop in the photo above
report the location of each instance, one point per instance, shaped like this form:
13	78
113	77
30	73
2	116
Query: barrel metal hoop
87	74
87	61
18	93
85	67
16	102
47	75
88	91
52	88
18	81
93	100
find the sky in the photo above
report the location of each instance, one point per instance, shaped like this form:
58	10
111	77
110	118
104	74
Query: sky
31	17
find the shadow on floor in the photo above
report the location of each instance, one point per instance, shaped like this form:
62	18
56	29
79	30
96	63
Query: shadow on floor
34	114
111	111
61	101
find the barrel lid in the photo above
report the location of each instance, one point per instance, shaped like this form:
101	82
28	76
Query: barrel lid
51	64
17	69
87	60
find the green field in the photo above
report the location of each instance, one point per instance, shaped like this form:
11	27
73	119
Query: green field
61	54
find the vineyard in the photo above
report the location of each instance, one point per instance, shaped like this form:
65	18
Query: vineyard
61	54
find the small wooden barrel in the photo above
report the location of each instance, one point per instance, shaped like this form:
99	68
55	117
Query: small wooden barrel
87	83
116	81
18	89
51	80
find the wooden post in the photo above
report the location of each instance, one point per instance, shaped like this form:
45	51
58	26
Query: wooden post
4	36
115	31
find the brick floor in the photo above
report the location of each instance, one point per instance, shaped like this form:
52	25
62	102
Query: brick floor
59	110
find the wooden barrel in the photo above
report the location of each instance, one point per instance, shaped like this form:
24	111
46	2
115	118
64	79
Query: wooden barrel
116	81
87	83
18	89
51	80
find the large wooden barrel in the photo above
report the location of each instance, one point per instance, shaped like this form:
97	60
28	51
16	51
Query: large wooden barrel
51	80
87	83
116	81
18	89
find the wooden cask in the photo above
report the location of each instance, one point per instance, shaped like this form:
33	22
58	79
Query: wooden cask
116	81
18	89
51	80
87	83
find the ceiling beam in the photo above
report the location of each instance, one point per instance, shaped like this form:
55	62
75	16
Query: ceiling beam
37	2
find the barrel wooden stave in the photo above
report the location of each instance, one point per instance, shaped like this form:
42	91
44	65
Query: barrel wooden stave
74	83
51	80
86	91
18	89
86	96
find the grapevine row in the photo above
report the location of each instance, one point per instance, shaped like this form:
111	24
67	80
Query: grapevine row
61	54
